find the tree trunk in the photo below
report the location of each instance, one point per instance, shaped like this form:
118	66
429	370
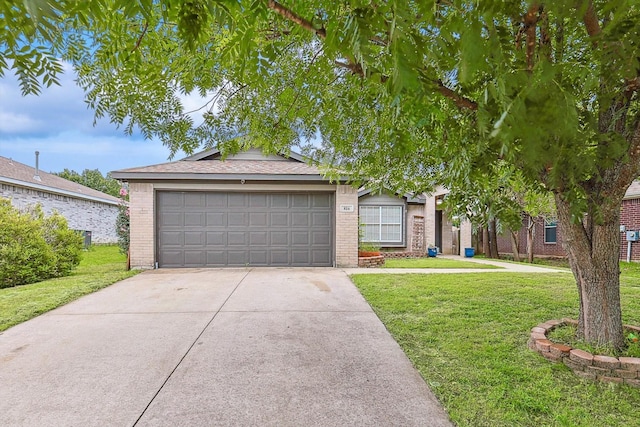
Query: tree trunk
531	227
493	238
593	251
515	248
485	241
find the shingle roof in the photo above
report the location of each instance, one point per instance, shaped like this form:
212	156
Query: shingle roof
257	167
208	165
20	174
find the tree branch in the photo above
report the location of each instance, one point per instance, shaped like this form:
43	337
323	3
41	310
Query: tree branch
590	20
530	21
357	69
144	31
296	19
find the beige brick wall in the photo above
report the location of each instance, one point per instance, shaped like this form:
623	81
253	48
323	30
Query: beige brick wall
346	227
142	245
465	236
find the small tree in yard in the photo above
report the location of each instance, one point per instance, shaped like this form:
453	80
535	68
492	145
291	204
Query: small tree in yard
122	222
396	90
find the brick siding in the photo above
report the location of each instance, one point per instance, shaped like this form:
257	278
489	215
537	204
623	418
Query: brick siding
346	227
630	218
86	215
142	219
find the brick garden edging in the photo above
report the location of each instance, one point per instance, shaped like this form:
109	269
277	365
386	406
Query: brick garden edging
370	261
584	364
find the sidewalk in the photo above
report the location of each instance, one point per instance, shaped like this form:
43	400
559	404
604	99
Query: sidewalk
505	267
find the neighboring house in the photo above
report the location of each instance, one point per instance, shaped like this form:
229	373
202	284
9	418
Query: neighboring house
548	236
84	208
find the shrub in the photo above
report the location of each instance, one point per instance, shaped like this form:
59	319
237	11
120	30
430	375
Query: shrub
35	248
122	222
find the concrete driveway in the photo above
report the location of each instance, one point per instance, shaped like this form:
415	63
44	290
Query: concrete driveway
245	347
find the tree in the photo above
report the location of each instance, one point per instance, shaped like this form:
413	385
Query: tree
93	178
397	90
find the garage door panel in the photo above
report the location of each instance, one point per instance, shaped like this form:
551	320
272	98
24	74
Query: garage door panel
320	238
300	219
215	229
194	238
170	238
237	238
279	257
258	257
216	200
237	258
320	257
300	201
300	257
216	238
321	201
237	200
194	219
280	238
171	219
320	219
279	219
237	219
258	219
217	258
168	200
216	219
194	199
194	258
259	238
300	238
172	258
258	200
279	200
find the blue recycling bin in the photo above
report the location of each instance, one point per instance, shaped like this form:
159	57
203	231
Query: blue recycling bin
469	252
432	252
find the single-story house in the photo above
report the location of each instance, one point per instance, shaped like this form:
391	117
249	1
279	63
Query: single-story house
255	210
547	237
84	208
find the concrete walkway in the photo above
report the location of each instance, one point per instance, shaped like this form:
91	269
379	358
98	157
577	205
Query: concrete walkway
505	267
232	347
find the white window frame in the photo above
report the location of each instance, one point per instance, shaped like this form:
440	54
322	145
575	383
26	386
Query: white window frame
380	224
550	223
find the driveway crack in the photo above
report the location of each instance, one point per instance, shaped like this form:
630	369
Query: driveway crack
190	347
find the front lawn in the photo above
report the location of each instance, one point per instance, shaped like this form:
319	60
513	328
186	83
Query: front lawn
434	262
467	335
100	267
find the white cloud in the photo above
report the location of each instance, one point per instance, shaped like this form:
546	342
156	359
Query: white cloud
16	122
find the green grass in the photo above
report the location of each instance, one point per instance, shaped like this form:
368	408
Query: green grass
100	267
432	263
467	335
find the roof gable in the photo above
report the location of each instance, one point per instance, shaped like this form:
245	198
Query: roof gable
22	175
209	165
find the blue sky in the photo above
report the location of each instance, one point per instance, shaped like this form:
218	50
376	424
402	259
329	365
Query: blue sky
58	124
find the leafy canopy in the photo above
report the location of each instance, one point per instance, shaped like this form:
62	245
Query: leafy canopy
403	91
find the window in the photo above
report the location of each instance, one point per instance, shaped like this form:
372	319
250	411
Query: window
381	224
550	231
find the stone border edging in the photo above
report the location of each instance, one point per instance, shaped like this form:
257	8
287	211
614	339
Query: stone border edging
584	364
371	261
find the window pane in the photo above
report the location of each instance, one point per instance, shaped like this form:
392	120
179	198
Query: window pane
550	234
371	233
391	214
391	233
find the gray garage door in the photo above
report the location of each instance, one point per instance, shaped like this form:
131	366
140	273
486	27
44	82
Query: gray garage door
216	229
